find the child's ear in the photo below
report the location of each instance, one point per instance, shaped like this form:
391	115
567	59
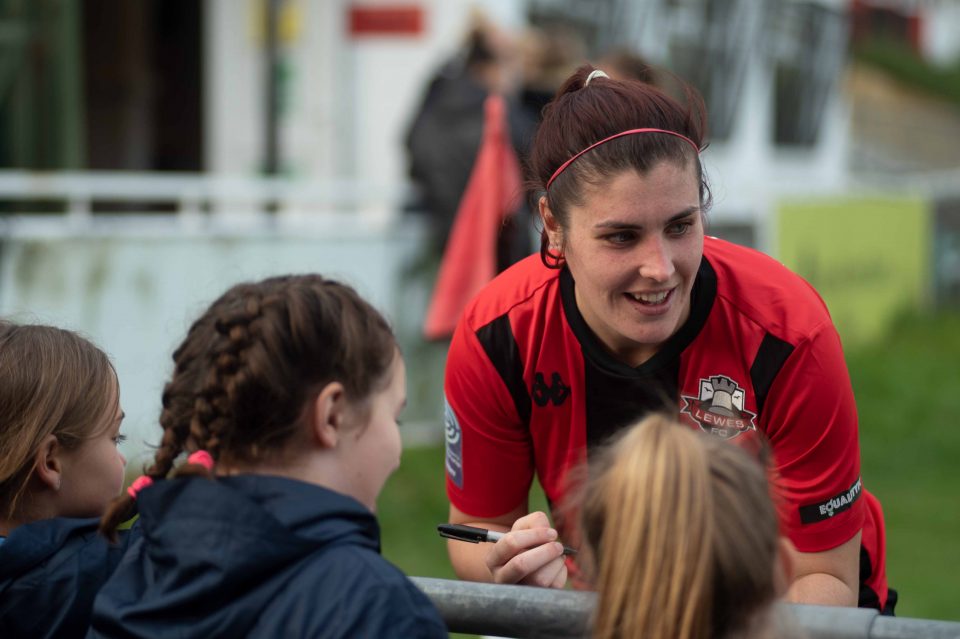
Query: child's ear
48	464
329	411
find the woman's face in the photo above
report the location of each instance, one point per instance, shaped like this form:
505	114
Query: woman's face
634	248
93	472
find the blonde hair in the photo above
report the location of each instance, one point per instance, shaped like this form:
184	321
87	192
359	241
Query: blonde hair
52	381
682	534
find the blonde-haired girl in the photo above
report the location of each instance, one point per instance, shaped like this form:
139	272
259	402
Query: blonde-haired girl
682	537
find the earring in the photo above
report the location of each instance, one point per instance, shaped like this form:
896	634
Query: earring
553	257
59	482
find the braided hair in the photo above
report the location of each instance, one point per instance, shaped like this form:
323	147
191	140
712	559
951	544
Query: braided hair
250	364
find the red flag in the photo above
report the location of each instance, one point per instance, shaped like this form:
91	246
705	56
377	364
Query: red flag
470	257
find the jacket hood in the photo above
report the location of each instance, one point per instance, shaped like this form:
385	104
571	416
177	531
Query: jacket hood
214	547
32	544
50	572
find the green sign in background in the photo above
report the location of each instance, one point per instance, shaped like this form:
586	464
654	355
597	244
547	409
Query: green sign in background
869	258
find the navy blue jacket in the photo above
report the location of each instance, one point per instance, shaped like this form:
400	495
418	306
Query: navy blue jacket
258	556
50	571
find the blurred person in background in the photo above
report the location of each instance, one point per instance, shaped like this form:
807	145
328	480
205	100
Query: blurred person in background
681	537
628	309
622	63
60	468
444	135
550	54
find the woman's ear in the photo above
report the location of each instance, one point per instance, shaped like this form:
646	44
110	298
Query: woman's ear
48	464
328	414
550	224
783	567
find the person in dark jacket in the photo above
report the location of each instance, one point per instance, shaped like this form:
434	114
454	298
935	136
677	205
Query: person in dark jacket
443	138
59	469
285	394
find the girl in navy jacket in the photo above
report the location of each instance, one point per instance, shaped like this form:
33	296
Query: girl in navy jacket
59	469
285	394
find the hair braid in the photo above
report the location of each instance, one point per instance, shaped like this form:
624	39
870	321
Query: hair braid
173	419
237	333
248	366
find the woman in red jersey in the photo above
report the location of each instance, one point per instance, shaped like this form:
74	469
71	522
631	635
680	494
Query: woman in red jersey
629	309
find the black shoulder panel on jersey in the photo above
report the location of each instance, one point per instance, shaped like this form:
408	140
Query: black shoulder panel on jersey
771	356
501	347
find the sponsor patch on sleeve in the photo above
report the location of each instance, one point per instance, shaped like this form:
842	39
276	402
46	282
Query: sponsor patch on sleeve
454	445
812	513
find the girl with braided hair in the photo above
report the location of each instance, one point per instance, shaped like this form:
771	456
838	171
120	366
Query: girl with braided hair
284	397
60	421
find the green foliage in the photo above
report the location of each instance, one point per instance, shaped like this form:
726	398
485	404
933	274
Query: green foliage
906	66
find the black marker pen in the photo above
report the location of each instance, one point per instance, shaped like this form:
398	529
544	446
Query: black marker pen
476	535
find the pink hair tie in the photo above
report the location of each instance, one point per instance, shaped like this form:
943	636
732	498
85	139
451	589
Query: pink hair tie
202	458
139	484
614	137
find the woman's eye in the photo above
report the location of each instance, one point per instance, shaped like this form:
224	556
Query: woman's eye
621	237
679	228
119	439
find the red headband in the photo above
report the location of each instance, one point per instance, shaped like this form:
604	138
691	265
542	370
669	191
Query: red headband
614	137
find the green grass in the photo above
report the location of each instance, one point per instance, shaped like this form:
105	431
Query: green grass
908	67
908	396
411	505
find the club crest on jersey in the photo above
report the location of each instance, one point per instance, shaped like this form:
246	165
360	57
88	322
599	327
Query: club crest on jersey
719	408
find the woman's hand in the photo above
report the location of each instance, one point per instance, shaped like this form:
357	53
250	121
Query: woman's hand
529	554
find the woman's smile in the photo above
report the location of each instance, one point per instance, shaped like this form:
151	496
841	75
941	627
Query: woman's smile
653	302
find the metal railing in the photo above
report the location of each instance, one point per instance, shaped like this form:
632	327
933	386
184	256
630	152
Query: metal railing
522	611
191	193
190	203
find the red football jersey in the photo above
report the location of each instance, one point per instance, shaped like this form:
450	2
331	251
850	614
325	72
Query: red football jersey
529	388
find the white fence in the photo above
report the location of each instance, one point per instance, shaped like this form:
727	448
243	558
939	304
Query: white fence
134	282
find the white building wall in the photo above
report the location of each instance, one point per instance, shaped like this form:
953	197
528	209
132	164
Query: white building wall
233	81
747	171
940	32
135	285
349	98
